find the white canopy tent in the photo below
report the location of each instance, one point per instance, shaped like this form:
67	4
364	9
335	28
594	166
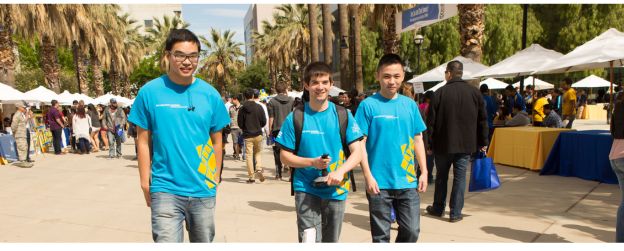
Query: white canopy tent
591	81
9	95
335	91
494	84
523	63
539	84
66	98
437	86
599	52
87	100
41	94
105	100
437	74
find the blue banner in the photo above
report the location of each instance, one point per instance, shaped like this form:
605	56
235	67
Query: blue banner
422	12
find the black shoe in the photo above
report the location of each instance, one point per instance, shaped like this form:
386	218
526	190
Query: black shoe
250	181
432	212
29	160
456	219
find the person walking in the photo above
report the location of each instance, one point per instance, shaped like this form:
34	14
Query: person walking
235	128
312	144
458	127
393	127
279	107
55	121
251	120
19	126
114	123
95	127
568	106
179	119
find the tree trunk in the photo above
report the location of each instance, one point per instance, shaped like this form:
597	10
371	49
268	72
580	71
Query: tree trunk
81	69
98	78
357	28
125	90
314	37
344	52
391	38
114	80
7	58
50	65
327	35
471	28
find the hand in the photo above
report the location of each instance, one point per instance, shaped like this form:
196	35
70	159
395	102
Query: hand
147	195
422	182
484	149
335	178
371	186
320	163
217	179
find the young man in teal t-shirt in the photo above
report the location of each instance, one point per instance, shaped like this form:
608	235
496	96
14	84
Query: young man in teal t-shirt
182	117
320	207
392	126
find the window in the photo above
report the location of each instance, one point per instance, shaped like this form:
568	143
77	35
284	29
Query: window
149	24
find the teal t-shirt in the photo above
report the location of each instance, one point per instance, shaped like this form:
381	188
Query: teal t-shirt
181	119
390	126
320	135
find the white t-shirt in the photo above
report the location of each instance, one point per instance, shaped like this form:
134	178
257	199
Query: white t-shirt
81	126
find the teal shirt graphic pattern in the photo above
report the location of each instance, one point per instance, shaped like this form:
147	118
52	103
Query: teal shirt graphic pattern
320	135
390	126
181	119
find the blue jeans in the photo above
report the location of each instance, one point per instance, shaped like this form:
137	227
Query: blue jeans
324	215
169	211
114	142
460	162
406	203
618	168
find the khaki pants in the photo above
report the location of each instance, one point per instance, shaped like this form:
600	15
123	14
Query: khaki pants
22	148
253	147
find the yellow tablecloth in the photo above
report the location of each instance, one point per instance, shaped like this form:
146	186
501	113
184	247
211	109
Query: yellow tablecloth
526	147
595	112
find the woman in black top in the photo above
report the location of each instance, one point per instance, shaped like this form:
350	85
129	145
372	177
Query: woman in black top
95	127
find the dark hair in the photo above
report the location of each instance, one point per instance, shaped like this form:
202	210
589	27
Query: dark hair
80	111
389	59
428	95
237	97
517	106
91	108
316	69
74	102
249	93
484	88
54	102
568	81
256	93
510	88
181	35
456	69
281	87
547	107
341	93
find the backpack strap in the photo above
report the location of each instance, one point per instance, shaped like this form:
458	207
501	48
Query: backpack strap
343	120
298	125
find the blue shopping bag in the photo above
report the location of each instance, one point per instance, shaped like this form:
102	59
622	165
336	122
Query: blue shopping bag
483	176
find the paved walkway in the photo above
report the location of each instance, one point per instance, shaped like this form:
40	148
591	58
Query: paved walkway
87	198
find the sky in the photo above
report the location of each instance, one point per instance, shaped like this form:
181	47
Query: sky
222	17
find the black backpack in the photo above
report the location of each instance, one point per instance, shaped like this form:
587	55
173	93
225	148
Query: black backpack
343	119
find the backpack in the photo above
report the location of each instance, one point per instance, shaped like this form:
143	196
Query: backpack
343	119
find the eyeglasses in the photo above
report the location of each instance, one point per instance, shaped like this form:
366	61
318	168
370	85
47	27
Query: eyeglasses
181	57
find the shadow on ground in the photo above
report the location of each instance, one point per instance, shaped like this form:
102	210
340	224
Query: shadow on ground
522	235
359	221
271	206
603	235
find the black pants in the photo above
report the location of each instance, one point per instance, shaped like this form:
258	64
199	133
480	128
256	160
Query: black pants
28	141
276	156
83	145
56	140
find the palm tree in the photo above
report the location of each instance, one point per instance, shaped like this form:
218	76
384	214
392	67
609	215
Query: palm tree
7	58
328	36
471	29
312	19
354	9
160	31
344	52
223	58
384	16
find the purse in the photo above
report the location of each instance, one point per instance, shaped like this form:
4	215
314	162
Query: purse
483	176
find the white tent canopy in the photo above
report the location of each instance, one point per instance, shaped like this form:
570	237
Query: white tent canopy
522	63
494	84
437	74
105	100
597	53
437	86
10	95
539	84
41	94
66	98
335	91
591	81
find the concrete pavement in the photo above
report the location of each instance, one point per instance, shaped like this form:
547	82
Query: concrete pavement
87	198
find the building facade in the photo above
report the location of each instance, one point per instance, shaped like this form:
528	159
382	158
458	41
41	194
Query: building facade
144	14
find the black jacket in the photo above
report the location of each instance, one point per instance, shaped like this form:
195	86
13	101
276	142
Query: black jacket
457	120
617	121
279	107
251	119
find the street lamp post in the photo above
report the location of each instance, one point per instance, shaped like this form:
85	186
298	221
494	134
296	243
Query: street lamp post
354	86
418	40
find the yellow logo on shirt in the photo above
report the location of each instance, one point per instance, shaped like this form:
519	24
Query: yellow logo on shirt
408	160
208	163
345	185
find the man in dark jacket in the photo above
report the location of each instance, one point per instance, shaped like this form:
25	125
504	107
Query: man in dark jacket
457	124
279	107
251	120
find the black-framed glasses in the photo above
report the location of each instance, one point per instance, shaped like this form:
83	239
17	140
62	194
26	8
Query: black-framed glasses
181	57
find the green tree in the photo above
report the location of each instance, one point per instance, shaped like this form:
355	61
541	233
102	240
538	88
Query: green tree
371	52
255	75
223	58
147	70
